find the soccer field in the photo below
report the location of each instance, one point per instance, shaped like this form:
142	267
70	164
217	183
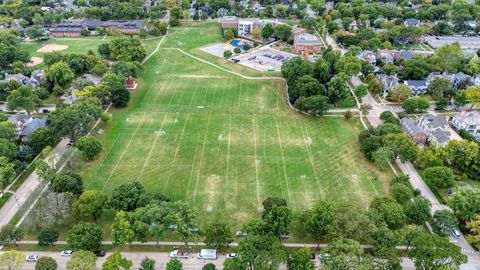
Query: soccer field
223	143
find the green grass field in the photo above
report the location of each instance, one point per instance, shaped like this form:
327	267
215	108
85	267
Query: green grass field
220	142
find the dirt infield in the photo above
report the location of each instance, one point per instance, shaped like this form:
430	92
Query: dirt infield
52	48
35	61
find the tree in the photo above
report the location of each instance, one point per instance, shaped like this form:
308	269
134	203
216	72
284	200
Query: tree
415	69
278	219
10	235
8	150
261	252
185	218
125	197
337	89
375	87
218	235
237	50
443	221
90	147
7	173
401	146
147	264
401	192
316	105
473	227
82	260
227	54
267	31
439	177
209	266
320	221
60	74
126	69
47	236
46	263
174	264
472	94
23	98
365	108
74	121
89	205
430	251
361	91
116	261
296	68
67	182
300	260
115	87
465	203
44	170
388	211
382	157
344	254
7	130
383	239
86	236
233	264
400	94
126	49
418	104
349	65
122	229
228	34
12	260
449	58
441	87
417	210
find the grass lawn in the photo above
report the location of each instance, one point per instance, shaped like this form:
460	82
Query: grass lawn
223	143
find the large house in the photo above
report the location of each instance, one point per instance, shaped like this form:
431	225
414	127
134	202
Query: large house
244	27
389	82
459	78
436	128
418	86
306	43
413	130
469	121
37	78
74	29
412	22
124	27
385	56
403	55
368	56
25	124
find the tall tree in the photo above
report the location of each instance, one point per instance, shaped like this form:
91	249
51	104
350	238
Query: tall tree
116	262
300	260
86	236
23	98
12	260
82	260
60	74
122	229
89	205
320	221
218	235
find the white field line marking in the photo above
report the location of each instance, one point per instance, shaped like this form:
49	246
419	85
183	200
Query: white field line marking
175	155
282	189
151	150
192	170
165	87
283	161
201	158
228	160
256	159
123	152
317	179
371	182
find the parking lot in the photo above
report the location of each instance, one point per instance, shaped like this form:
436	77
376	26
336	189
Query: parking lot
472	43
264	59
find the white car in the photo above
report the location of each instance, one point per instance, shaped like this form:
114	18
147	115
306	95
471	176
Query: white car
232	255
67	253
32	258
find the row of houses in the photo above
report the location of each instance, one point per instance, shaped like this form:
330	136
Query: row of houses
436	130
74	29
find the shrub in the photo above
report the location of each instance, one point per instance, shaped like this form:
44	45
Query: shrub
90	147
47	236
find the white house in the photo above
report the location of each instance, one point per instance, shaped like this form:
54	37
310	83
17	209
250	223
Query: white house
469	121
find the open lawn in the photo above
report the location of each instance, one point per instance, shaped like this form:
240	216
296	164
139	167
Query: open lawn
223	143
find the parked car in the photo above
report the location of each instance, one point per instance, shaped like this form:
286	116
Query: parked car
100	253
67	253
32	258
240	233
232	255
455	233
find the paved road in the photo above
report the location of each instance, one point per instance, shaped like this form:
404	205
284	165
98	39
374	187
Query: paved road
49	107
21	195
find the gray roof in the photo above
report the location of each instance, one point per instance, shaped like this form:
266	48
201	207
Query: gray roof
416	83
411	22
460	76
441	136
469	118
410	127
66	28
434	121
33	125
405	54
18	118
307	39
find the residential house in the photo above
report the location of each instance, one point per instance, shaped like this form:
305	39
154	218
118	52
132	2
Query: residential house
329	5
385	56
413	130
389	82
36	78
432	76
459	78
469	121
25	124
436	128
298	31
258	7
222	12
368	56
206	10
418	86
412	22
403	55
306	43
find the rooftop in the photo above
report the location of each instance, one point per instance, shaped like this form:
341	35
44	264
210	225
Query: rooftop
307	39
